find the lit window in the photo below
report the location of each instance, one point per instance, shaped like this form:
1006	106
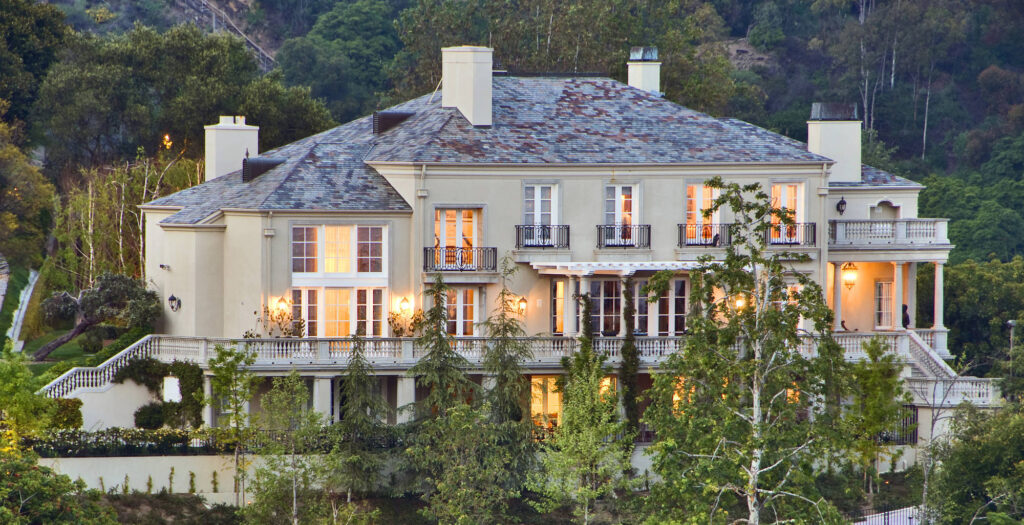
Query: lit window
557	306
370	251
304	249
461	312
337	258
883	304
545	401
699	230
336	312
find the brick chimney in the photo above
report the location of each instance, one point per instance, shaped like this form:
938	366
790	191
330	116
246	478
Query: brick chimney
466	82
227	143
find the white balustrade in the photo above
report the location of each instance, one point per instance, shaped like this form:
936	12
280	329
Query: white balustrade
888	232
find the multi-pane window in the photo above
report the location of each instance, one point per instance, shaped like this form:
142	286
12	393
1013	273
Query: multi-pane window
786	197
337	243
545	401
883	304
557	307
341	248
538	204
672	310
337	306
461	311
370	253
618	204
304	253
304	307
606	301
370	311
698	228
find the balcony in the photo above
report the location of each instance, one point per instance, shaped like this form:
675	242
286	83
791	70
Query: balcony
530	236
797	234
896	232
940	386
454	259
706	235
623	235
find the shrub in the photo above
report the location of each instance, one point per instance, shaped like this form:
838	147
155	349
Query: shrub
150	416
68	414
91	342
145	371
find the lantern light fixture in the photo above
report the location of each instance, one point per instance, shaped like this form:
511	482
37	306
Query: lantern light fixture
841	205
522	306
849	275
174	303
404	305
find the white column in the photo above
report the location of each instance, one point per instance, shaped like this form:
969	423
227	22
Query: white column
569	323
405	397
837	296
322	396
912	293
208	419
622	308
939	302
897	295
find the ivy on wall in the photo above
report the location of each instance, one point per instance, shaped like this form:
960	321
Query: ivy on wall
150	373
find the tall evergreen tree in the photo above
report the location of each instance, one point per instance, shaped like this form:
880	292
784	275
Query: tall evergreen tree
630	359
441	369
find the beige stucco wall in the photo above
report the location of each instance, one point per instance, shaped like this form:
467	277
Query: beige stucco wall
113	407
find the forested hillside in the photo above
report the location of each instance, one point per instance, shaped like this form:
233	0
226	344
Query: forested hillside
96	91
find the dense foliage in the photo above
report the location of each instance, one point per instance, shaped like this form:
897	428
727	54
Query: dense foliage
32	494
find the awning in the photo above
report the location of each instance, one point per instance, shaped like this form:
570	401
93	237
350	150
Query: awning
623	268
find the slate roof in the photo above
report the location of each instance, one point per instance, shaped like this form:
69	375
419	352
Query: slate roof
536	120
871	177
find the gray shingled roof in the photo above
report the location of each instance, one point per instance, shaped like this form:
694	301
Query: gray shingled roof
871	177
536	121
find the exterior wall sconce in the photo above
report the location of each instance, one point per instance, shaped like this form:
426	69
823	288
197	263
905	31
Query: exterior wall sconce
282	305
522	306
174	303
841	205
405	306
849	275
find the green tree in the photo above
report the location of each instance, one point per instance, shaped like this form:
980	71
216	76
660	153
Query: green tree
114	298
355	461
630	360
31	36
26	201
233	384
342	59
31	494
738	424
981	470
876	408
441	370
110	95
22	410
287	487
507	349
585	458
465	456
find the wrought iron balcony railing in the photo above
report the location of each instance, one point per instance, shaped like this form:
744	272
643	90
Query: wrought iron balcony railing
797	234
707	235
542	236
623	235
455	259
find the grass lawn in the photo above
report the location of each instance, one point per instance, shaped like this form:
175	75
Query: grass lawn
69	351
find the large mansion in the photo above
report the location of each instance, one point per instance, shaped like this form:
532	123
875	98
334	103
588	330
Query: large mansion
581	181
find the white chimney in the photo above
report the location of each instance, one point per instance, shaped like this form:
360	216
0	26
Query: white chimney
834	132
466	82
645	69
227	143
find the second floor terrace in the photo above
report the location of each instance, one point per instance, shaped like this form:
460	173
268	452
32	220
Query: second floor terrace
924	370
888	233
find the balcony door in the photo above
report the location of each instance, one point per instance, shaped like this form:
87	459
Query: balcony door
619	211
455	236
699	230
539	212
786	196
